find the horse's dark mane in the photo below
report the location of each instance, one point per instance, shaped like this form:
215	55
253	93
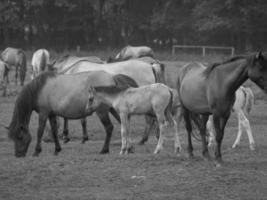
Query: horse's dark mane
26	102
122	82
211	67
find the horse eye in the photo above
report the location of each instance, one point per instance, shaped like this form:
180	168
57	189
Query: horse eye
91	99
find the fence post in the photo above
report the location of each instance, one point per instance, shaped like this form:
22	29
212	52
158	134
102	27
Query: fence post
203	51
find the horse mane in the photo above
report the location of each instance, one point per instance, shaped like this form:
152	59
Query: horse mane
211	67
26	102
122	82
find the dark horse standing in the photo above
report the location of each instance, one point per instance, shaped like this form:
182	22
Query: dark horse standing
51	95
205	91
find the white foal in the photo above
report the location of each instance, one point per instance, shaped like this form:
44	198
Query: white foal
154	99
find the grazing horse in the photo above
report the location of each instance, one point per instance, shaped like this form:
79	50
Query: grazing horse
244	101
143	73
17	58
211	90
40	61
155	99
52	95
131	52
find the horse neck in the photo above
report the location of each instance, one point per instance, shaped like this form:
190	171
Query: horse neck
235	74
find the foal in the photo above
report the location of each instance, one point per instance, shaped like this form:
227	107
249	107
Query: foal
155	99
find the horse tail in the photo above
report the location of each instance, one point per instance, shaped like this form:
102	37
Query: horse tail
123	81
43	61
23	67
250	100
168	109
159	72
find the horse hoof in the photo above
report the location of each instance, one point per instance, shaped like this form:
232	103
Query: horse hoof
177	150
142	142
218	164
35	154
252	147
234	146
85	139
66	140
123	151
130	150
104	151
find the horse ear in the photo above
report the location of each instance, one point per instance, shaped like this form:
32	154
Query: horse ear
258	55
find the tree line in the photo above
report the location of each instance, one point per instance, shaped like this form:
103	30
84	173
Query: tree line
66	24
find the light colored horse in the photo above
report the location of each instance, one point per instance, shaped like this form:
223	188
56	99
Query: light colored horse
68	62
40	61
243	105
155	99
133	52
17	58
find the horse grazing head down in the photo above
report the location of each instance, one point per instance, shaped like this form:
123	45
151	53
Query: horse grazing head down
258	70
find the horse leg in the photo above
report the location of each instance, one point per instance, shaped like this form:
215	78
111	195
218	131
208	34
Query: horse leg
239	133
203	125
115	114
42	122
148	128
65	133
84	127
210	129
162	126
245	122
105	120
54	130
16	75
130	147
177	143
124	125
219	125
188	127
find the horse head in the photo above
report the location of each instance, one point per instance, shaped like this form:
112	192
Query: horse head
257	72
21	137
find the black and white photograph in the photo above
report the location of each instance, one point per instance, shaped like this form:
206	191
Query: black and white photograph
133	99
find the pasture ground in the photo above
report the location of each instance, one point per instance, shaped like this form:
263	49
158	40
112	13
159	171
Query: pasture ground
80	172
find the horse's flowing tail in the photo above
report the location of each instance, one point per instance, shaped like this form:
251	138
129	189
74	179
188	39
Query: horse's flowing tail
159	72
250	100
168	109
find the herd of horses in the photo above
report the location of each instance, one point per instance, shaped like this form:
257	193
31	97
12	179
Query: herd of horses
133	83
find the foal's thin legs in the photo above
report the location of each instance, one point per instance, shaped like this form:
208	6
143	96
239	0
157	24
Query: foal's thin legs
84	127
177	144
162	126
54	130
124	133
42	122
243	121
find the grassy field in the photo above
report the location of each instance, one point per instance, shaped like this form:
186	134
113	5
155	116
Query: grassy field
80	172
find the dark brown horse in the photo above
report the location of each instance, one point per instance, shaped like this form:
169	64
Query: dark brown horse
51	95
211	91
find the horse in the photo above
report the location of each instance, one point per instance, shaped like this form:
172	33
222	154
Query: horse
3	70
17	58
153	125
132	52
67	62
143	73
205	91
69	101
40	61
244	101
155	99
